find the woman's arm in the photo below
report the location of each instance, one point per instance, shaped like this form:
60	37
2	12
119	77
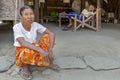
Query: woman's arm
52	40
26	44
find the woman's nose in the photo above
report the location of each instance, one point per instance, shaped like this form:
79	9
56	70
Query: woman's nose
29	16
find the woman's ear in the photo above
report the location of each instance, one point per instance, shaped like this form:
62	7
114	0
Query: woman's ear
20	16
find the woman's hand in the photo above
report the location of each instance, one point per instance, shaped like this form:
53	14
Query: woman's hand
43	53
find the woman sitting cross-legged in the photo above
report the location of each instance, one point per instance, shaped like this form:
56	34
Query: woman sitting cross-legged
28	51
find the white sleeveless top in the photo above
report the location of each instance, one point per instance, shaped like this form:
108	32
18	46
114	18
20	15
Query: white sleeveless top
29	36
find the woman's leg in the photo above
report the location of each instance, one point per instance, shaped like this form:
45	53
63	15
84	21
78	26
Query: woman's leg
70	23
31	57
44	44
22	62
70	15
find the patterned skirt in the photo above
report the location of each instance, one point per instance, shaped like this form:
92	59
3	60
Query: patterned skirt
32	57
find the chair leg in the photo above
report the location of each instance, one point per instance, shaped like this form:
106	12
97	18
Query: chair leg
83	21
90	26
75	24
78	26
82	24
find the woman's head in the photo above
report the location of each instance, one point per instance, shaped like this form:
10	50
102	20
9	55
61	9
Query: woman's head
91	8
27	14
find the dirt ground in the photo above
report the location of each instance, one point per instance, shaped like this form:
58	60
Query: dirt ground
83	42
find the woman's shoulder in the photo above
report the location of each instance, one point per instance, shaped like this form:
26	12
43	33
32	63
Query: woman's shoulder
17	25
36	24
85	10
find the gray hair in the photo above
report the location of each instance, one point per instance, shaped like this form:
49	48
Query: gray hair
23	8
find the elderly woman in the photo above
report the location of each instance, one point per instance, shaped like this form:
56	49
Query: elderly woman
28	51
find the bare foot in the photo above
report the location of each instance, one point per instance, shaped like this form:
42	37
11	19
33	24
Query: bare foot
54	67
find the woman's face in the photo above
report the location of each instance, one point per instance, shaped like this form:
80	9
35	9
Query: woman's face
91	8
28	16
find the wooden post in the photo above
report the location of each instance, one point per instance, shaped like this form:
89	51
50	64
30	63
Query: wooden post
83	4
98	15
16	6
41	12
20	4
36	10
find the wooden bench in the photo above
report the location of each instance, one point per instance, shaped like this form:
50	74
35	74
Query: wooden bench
9	19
